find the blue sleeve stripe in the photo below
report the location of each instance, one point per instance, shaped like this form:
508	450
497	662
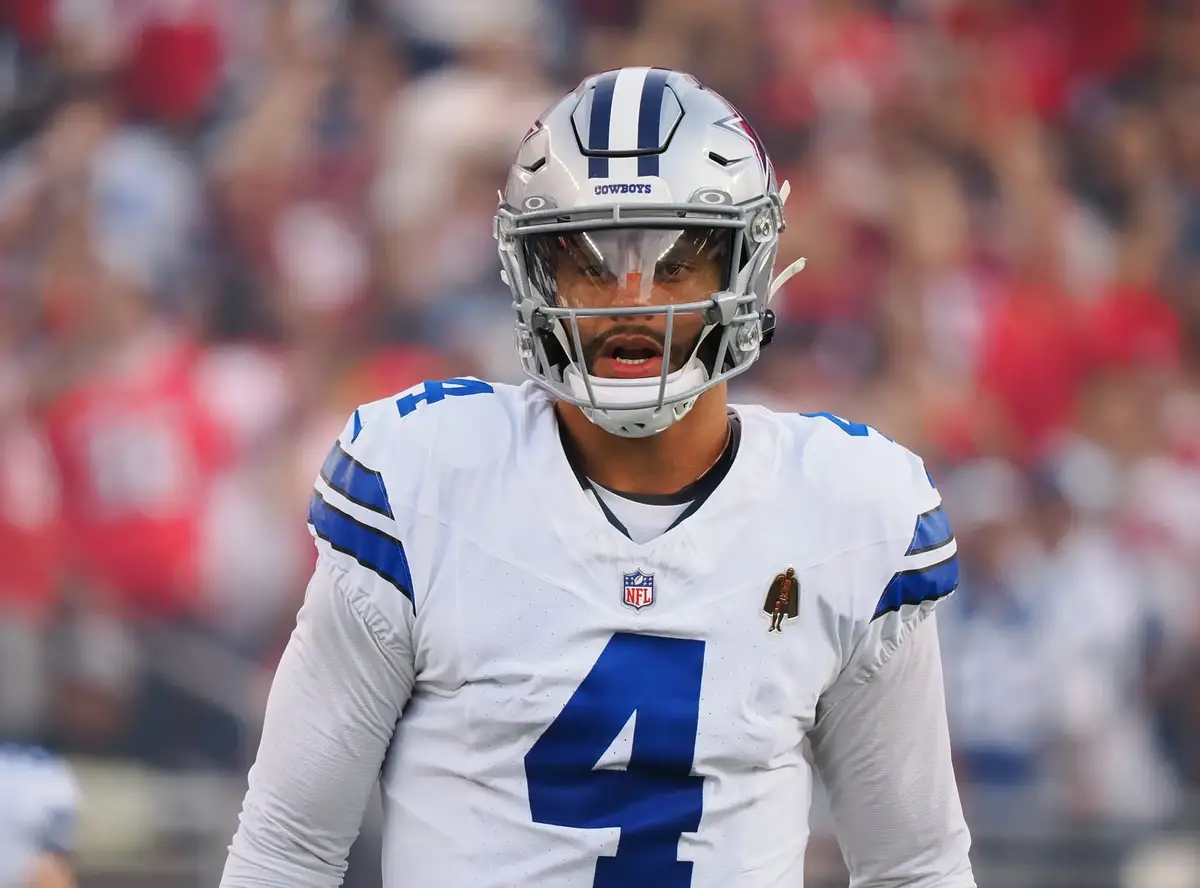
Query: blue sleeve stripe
373	549
354	481
932	532
916	586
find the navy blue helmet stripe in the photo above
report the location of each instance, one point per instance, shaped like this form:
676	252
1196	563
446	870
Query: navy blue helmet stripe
598	126
916	586
649	116
355	481
373	549
932	531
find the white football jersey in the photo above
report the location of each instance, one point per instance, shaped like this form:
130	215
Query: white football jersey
566	708
587	705
38	810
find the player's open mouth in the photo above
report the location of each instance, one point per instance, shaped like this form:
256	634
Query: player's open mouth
629	357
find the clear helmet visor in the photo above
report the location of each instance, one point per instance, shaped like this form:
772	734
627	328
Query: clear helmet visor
629	267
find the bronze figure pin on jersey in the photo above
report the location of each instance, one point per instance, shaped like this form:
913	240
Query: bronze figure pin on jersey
783	599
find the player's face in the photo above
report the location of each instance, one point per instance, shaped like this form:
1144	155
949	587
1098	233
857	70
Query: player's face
636	269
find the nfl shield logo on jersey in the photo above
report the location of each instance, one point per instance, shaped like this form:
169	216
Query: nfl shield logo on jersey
639	589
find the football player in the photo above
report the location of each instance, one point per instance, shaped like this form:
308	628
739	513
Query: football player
38	810
542	615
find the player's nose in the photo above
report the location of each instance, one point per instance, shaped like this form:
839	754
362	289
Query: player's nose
627	290
631	292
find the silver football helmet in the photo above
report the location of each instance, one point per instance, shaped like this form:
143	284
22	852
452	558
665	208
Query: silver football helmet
638	233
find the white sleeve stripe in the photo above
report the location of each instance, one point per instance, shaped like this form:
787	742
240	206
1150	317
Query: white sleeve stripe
372	548
930	557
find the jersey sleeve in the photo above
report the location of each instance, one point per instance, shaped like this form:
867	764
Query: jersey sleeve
352	518
881	744
883	754
343	681
918	564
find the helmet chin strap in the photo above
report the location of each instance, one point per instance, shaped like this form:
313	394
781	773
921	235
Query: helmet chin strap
784	276
794	268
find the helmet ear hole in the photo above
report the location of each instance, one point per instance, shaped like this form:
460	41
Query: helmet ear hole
768	327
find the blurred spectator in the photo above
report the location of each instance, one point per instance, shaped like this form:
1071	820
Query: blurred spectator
31	532
998	646
1110	766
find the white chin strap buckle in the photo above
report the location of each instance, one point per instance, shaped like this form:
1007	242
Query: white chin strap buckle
786	275
796	267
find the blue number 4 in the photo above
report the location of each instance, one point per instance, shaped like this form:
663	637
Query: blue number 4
854	429
432	392
657	798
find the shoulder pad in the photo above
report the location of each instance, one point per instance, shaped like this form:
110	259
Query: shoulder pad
881	492
852	464
393	460
455	422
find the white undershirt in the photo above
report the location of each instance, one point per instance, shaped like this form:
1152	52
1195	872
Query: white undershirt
643	521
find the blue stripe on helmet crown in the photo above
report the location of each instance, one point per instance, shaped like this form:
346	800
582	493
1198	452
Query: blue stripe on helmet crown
598	126
649	117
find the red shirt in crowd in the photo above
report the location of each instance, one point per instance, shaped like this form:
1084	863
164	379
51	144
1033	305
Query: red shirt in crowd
1134	326
1035	355
137	452
30	527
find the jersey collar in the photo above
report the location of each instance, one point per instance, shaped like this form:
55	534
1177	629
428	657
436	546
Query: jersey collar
692	495
696	543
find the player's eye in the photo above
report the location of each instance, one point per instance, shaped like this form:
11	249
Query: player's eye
671	272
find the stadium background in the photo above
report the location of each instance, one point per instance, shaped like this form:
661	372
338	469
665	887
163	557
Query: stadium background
225	223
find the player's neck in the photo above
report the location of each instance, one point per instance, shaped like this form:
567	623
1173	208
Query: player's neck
660	464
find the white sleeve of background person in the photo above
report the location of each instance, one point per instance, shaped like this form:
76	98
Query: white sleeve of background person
38	813
883	753
341	685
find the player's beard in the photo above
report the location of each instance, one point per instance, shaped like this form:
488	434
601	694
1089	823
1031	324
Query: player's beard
682	347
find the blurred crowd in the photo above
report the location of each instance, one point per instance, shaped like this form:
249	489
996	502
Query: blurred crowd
224	223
